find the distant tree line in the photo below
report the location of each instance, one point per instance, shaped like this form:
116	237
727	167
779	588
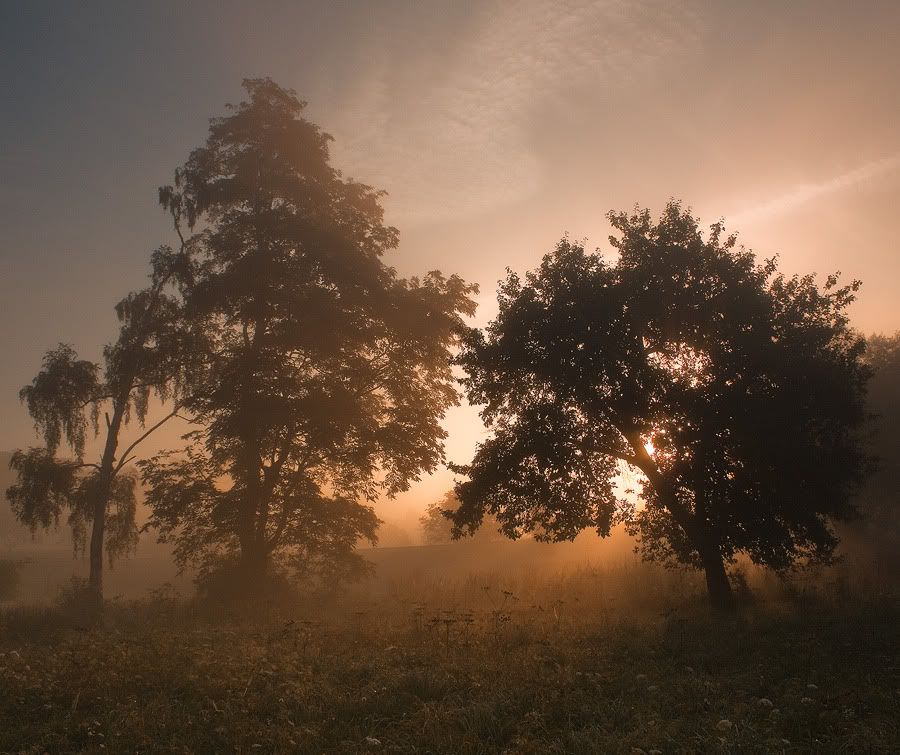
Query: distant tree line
437	527
314	380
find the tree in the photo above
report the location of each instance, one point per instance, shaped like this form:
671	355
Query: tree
67	398
329	374
736	393
437	525
879	531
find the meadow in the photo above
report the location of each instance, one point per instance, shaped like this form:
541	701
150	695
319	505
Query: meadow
620	658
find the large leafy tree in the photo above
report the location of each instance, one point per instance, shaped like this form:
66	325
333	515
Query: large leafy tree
329	374
735	393
67	399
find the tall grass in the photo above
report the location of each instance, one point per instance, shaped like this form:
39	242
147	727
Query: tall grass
587	660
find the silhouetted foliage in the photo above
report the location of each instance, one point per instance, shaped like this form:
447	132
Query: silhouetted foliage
735	391
437	524
880	497
58	395
66	400
329	374
49	486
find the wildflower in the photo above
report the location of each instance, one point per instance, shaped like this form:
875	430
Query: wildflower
765	702
724	725
372	742
806	700
812	687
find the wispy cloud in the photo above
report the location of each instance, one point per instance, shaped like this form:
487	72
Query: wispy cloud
807	192
448	130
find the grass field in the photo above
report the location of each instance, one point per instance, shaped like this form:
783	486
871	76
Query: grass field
592	661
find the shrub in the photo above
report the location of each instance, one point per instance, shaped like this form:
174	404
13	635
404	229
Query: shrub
9	580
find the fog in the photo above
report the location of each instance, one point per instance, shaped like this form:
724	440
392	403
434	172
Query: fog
450	377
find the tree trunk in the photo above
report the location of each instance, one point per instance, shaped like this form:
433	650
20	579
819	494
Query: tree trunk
101	503
253	561
718	586
254	569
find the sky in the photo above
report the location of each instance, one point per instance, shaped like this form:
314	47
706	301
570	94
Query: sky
495	127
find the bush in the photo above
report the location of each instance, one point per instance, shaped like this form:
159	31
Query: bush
9	580
73	595
227	584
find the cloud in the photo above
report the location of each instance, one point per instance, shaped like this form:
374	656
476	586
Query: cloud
808	192
447	129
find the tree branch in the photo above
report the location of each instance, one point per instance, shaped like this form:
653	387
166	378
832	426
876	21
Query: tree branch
664	488
95	400
632	460
87	464
173	413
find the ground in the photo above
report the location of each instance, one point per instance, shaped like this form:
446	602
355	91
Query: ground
480	666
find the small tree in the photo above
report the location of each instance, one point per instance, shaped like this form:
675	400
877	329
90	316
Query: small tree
67	398
437	524
329	374
736	393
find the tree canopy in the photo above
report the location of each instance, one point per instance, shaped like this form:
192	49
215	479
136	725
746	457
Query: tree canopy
736	392
328	374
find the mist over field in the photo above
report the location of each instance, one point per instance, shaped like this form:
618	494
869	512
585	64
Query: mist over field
450	377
